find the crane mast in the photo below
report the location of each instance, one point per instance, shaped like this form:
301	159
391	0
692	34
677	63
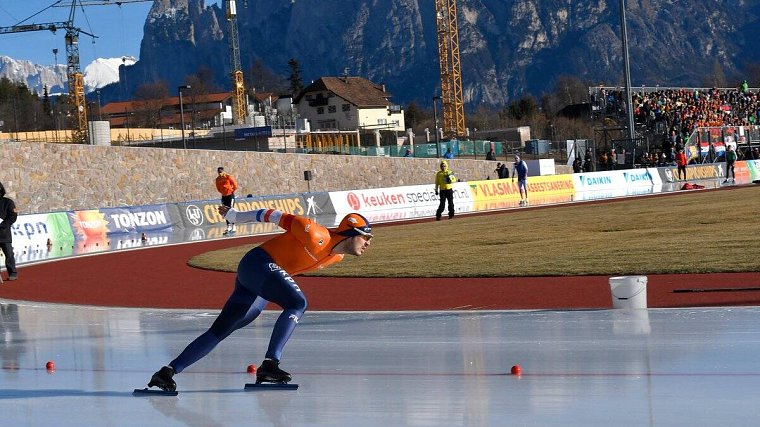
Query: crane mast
77	101
239	112
451	70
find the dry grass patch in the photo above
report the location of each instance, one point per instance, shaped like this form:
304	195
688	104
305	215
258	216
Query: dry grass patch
697	232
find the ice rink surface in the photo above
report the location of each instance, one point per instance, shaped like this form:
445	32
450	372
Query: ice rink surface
656	367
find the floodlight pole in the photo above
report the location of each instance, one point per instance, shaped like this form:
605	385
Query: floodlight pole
626	71
435	125
182	113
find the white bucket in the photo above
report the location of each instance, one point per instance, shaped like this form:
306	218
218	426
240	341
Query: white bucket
629	291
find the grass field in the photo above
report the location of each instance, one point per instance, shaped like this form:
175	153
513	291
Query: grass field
689	232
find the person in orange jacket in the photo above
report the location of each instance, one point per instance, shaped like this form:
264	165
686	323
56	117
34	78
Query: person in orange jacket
681	162
264	274
226	185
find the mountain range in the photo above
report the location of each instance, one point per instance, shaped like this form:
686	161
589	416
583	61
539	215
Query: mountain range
508	47
97	74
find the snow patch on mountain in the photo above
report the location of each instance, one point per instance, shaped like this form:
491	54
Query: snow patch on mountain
104	71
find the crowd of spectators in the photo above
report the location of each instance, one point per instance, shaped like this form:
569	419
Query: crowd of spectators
673	114
683	110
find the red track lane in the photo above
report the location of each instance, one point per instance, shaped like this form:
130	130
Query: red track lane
160	277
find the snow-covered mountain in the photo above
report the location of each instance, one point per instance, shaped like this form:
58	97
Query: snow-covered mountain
97	74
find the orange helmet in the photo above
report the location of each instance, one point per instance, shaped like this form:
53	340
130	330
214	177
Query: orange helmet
354	224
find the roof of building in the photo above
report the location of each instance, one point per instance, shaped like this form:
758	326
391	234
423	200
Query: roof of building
136	105
356	90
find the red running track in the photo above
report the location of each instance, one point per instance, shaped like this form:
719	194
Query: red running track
160	277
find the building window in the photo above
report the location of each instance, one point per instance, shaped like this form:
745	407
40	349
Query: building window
382	121
320	110
346	107
331	109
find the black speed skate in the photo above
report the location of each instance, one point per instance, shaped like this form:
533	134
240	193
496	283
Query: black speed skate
270	372
163	379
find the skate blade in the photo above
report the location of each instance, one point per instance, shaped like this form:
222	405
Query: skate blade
149	392
270	386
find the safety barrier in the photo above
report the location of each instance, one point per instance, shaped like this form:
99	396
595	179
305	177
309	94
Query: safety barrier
61	234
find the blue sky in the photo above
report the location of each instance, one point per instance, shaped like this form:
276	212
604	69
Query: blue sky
119	30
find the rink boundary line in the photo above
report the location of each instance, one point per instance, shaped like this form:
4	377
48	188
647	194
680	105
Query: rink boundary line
385	312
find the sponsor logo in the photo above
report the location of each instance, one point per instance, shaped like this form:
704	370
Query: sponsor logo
636	177
591	181
353	201
384	199
274	267
293	317
194	215
29	229
669	175
138	219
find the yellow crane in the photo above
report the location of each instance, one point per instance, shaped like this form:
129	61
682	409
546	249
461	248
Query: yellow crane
451	70
239	110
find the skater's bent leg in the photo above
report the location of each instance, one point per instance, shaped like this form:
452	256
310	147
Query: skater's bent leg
286	294
283	329
237	309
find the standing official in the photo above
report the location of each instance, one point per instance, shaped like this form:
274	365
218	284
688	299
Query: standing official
8	214
444	180
226	185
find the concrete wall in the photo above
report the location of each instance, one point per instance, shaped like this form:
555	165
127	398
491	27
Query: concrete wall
43	177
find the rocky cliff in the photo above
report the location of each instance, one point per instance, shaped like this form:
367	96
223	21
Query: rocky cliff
508	47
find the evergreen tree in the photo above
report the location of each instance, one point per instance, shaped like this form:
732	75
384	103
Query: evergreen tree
296	84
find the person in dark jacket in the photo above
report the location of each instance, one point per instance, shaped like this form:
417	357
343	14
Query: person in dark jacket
8	215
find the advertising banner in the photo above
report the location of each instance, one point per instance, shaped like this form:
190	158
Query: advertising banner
261	131
138	219
412	198
89	225
204	214
538	187
596	181
706	171
741	170
641	177
33	231
754	170
616	192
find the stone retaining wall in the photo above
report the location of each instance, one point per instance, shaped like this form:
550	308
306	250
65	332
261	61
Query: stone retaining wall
44	177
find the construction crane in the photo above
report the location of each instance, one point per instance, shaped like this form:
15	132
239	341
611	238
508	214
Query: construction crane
451	71
77	104
239	110
77	101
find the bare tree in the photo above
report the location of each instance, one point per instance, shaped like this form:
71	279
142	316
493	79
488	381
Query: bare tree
262	79
150	99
